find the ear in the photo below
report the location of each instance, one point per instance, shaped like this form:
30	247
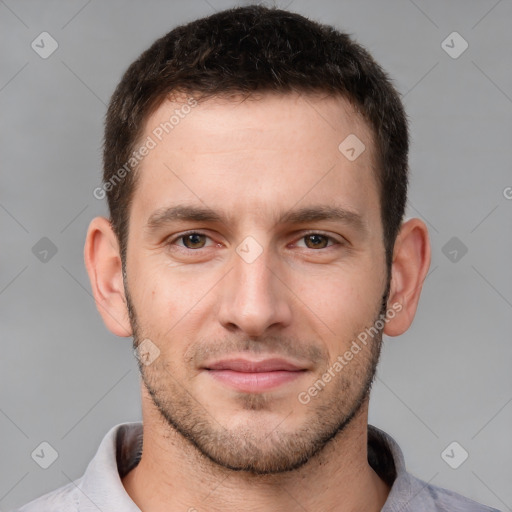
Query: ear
103	263
411	260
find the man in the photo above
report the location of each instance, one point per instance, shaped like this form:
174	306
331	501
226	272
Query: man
255	166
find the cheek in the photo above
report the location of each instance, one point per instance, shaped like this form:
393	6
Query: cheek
168	301
341	302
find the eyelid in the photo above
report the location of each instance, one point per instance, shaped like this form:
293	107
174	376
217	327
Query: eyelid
174	238
335	240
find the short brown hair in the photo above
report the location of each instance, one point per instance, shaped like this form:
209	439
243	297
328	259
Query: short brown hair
253	49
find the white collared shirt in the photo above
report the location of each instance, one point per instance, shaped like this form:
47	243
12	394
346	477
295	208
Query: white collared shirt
101	488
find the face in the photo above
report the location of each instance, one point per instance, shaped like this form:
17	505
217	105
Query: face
255	258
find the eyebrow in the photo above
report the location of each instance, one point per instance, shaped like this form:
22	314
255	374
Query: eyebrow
324	212
167	215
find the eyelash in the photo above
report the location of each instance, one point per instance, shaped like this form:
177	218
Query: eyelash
187	233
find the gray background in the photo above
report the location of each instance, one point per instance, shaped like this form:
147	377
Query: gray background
66	380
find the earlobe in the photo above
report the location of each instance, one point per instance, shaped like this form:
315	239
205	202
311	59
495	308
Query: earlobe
411	261
103	263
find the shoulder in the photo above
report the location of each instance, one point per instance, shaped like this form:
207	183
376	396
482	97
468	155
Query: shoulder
63	499
409	493
100	487
433	498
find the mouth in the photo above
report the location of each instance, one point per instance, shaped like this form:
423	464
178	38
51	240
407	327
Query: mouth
254	376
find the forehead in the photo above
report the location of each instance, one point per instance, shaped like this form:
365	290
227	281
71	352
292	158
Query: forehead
265	151
301	117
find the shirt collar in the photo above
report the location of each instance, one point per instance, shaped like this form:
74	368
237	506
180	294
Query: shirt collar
120	450
101	487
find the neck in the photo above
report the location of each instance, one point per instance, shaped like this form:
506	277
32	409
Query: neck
173	475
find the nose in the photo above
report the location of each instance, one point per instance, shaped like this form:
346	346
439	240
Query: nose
255	297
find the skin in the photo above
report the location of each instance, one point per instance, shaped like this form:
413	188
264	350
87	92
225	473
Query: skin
206	445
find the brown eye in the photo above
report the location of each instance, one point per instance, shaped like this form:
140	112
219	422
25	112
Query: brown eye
316	241
194	240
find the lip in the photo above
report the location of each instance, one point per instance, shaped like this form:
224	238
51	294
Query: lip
254	376
247	366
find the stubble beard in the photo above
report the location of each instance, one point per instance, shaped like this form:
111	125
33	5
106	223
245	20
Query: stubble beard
250	447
